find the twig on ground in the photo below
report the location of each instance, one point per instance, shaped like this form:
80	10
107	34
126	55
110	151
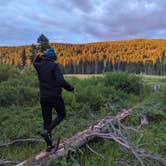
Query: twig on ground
93	151
21	141
7	162
74	160
144	121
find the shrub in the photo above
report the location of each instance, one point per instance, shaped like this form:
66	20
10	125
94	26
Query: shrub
7	71
15	91
22	95
92	96
156	116
129	83
29	70
27	95
163	96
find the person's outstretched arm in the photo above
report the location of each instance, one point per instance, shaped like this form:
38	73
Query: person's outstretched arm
37	59
59	77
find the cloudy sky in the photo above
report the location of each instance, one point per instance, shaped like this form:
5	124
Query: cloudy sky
80	21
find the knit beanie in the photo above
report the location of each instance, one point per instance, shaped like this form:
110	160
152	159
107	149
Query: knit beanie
50	53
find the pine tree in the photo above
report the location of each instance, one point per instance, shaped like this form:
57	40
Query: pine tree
24	58
44	42
32	52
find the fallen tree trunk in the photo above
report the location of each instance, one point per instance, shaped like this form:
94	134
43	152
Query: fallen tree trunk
76	141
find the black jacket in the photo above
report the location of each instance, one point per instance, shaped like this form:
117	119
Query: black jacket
50	77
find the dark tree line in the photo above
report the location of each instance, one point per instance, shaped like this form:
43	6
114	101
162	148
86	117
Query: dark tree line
158	68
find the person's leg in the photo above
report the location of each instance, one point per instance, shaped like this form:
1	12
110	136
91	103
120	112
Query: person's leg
61	113
46	113
47	118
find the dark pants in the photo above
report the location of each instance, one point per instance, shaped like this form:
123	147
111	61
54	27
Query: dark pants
47	106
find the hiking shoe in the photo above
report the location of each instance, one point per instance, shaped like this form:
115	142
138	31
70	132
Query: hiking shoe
49	148
44	133
47	137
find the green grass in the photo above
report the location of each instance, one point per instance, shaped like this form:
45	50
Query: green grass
95	98
152	138
155	80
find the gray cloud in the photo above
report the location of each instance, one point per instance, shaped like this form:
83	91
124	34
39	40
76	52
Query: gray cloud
81	21
132	17
85	6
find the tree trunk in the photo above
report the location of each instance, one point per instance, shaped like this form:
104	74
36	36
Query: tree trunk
82	68
96	67
104	65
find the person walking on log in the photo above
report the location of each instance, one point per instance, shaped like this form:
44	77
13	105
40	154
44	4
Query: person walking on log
51	82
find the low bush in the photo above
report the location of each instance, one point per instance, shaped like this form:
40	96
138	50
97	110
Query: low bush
10	95
163	95
7	71
129	83
95	91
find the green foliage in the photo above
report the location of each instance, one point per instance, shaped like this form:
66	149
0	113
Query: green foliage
33	52
156	116
24	58
22	88
17	94
44	42
97	95
94	98
163	95
7	71
129	83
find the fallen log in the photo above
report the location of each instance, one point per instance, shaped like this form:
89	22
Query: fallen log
76	141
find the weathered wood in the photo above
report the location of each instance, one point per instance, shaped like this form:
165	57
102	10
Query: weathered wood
76	141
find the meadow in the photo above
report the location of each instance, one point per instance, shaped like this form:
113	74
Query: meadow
94	98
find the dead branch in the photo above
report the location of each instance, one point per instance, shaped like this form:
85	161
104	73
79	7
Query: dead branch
139	153
8	162
93	151
21	141
144	121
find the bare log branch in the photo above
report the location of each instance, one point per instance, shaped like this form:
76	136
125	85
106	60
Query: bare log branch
73	159
140	154
144	121
21	141
7	162
93	151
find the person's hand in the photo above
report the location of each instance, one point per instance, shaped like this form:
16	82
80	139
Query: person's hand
40	55
72	90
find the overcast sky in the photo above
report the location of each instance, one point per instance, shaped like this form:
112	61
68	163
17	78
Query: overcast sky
80	21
